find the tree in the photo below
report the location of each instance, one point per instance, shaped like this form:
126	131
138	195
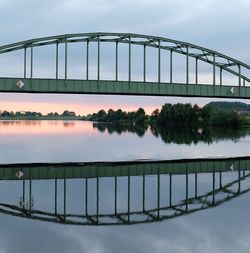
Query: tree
68	113
101	116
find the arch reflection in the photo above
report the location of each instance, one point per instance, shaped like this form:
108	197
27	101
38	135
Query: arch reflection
121	192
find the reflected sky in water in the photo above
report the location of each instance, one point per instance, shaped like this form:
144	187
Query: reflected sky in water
224	228
58	141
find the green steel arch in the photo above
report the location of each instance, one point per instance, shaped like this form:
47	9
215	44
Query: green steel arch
220	64
195	198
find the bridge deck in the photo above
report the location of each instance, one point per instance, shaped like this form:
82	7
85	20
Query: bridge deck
122	88
118	169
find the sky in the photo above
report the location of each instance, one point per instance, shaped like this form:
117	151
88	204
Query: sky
216	24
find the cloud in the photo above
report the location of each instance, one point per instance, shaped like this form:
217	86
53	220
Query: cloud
210	23
18	235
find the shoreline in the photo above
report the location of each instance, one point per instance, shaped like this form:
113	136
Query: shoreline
76	118
41	118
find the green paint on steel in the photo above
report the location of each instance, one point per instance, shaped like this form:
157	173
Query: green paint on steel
121	88
130	87
175	46
119	169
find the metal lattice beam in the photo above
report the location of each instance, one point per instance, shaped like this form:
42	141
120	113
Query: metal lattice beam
150	41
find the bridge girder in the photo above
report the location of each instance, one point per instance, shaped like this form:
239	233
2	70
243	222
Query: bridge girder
184	207
175	46
211	57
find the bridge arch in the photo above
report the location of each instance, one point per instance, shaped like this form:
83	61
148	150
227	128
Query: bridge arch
119	209
219	62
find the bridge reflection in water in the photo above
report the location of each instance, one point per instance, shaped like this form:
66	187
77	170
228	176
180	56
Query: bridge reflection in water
137	192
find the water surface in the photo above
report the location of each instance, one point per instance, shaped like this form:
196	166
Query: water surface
65	141
219	228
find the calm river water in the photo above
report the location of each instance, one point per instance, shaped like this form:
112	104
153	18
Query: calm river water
136	206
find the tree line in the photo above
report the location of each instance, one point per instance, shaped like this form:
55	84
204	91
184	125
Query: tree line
170	115
32	114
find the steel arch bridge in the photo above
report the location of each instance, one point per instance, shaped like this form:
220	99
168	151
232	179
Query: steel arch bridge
165	83
88	180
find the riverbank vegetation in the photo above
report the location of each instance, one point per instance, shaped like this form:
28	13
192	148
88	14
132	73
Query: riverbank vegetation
225	114
27	115
172	115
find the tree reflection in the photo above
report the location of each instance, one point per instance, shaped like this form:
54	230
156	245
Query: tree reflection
119	128
178	135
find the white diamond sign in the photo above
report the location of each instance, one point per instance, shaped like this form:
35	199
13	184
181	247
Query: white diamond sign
232	90
19	174
20	84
